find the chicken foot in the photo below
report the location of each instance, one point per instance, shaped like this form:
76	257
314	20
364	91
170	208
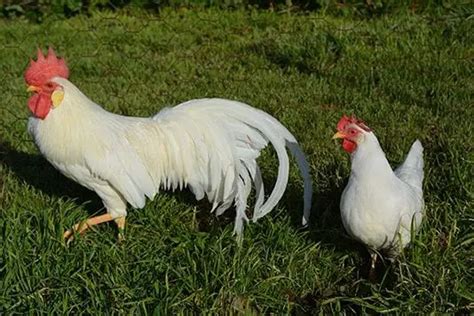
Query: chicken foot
83	226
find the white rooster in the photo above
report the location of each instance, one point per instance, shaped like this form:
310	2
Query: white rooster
208	145
380	207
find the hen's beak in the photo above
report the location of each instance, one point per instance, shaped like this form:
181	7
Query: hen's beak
33	89
338	135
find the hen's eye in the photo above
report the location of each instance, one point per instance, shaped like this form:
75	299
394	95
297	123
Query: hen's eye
49	85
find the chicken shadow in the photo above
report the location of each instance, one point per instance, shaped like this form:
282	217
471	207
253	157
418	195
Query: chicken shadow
325	224
37	172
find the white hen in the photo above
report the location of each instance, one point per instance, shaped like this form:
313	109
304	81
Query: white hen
380	207
208	145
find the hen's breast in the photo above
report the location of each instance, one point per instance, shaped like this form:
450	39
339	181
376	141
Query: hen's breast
370	213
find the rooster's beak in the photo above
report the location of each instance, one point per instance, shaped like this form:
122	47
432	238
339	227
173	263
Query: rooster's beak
338	135
33	89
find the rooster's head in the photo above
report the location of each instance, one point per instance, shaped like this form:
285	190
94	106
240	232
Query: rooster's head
39	77
352	131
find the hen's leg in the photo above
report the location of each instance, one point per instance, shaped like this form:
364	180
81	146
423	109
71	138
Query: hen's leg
373	260
120	221
81	227
372	275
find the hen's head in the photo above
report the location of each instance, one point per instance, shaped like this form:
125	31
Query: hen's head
39	77
352	131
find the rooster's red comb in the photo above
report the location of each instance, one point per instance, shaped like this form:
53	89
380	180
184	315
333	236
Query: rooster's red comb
351	120
45	68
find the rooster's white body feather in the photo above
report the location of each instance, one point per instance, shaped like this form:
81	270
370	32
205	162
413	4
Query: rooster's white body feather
380	207
208	145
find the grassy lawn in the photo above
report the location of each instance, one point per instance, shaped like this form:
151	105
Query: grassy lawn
407	76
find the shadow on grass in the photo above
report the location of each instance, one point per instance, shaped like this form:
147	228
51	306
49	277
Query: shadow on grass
41	175
325	225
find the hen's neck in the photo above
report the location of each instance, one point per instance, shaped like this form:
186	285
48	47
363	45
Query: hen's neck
369	160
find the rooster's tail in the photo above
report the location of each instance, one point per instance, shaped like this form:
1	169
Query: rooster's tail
248	130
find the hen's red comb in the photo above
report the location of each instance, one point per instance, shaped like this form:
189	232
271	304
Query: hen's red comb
351	120
45	68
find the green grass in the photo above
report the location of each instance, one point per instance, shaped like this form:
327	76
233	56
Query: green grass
408	76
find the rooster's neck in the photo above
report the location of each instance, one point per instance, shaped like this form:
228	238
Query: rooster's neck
369	160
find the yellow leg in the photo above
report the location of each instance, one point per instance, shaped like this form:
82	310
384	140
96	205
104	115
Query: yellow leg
373	260
372	275
120	221
81	227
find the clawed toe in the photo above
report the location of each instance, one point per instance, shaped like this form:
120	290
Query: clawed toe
83	226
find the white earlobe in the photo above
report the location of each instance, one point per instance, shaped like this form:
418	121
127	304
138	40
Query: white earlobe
57	97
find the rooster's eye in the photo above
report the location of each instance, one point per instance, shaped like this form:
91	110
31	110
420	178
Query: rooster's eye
49	85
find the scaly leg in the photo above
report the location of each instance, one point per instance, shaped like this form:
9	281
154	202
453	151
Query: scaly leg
372	275
120	221
373	260
81	227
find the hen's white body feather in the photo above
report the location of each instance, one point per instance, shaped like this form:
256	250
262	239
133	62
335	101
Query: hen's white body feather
379	207
208	145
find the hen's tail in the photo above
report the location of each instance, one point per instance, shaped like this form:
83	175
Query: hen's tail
248	130
411	170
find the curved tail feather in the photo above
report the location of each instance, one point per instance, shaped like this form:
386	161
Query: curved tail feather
221	140
280	138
